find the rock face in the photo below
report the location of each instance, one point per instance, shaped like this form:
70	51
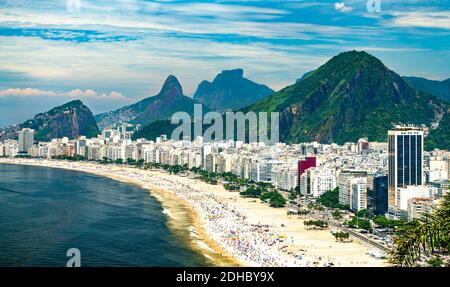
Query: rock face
439	89
160	107
353	95
230	91
71	120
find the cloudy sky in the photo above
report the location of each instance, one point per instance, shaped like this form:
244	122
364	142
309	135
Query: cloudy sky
110	53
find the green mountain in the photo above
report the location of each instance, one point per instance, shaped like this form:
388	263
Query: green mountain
304	76
230	91
439	89
353	95
160	107
71	120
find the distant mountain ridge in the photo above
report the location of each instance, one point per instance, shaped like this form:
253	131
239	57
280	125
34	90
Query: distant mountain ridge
160	107
71	120
353	95
439	89
230	91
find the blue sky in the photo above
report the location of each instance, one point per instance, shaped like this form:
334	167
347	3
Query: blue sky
112	53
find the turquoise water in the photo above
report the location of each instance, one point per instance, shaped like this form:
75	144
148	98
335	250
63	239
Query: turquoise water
45	211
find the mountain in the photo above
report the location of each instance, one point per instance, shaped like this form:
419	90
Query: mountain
351	96
230	91
162	106
305	75
440	89
71	120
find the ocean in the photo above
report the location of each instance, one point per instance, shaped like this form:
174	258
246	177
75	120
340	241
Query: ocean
46	211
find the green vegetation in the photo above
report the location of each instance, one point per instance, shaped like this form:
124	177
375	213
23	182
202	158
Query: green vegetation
360	223
338	90
316	224
72	120
440	137
335	107
336	214
23	156
69	158
364	213
293	195
341	236
303	212
429	236
331	199
231	187
436	262
277	200
252	191
383	222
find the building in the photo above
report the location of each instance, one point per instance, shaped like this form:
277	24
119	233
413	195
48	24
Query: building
438	170
418	207
318	180
304	164
358	193
26	140
406	193
351	183
363	145
380	194
405	168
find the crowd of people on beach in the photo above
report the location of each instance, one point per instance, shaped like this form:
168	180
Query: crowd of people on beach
251	244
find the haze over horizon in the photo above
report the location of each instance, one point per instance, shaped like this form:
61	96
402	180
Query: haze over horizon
114	53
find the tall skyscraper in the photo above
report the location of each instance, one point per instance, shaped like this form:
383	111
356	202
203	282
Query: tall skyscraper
380	194
405	148
26	140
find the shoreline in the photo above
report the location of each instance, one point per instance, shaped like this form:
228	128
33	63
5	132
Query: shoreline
242	232
158	194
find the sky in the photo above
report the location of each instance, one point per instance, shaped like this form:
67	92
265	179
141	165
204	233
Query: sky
116	52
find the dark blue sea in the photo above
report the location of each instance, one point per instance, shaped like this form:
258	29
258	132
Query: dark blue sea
46	211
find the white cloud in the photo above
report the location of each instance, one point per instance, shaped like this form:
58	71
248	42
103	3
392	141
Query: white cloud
28	92
73	94
423	19
341	7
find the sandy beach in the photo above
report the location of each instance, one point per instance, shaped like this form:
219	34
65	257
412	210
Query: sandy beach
234	231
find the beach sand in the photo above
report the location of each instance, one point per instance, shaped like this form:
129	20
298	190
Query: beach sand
315	247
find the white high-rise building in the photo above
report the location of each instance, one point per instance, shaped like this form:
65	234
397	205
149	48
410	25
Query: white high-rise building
26	140
351	183
322	180
358	193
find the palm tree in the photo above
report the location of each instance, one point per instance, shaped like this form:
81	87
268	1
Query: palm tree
429	236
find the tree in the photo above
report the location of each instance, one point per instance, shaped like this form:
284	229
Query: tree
337	214
430	237
277	200
364	213
356	222
330	198
293	195
341	236
384	222
320	224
